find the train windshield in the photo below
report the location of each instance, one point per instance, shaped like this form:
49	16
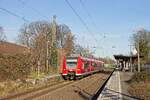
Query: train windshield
71	63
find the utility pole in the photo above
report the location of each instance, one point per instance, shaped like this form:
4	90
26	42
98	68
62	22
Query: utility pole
139	68
131	58
54	57
47	56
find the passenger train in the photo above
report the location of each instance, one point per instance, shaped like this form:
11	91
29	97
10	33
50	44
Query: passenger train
75	67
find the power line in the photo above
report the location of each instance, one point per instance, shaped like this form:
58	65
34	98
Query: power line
79	17
90	17
14	14
88	14
33	9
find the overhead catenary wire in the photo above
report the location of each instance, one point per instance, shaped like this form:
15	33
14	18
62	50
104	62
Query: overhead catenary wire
14	14
79	17
33	9
90	17
88	13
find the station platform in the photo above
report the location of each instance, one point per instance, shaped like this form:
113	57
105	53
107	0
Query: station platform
117	87
112	88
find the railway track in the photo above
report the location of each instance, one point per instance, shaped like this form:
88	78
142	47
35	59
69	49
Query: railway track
99	91
50	89
82	89
35	93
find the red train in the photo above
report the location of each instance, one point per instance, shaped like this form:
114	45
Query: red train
75	67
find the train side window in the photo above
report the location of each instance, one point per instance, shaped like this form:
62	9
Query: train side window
95	65
83	65
86	64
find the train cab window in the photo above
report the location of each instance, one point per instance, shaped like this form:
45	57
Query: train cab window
71	63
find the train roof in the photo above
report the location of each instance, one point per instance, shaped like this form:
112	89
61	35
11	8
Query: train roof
91	59
76	56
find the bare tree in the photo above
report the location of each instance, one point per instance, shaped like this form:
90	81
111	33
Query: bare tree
40	51
83	51
62	31
25	36
44	39
69	43
35	35
29	31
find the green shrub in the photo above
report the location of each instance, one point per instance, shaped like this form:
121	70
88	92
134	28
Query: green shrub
141	76
140	85
36	75
14	67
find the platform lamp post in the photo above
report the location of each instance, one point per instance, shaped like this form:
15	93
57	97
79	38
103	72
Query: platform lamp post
138	51
94	49
131	57
114	47
138	56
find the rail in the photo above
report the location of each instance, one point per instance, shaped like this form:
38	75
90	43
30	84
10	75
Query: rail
96	95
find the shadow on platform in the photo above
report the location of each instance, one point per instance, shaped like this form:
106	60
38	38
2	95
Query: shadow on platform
114	94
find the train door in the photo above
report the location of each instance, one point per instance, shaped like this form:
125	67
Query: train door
86	66
92	65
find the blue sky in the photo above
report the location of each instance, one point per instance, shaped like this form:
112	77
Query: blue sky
116	20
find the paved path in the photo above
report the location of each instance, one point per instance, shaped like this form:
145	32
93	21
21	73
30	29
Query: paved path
112	89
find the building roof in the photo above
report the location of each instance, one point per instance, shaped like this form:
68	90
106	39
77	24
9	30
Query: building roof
12	48
126	57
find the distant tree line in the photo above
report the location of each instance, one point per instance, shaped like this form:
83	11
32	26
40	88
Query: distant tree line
48	43
46	40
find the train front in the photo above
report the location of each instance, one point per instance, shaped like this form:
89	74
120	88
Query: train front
69	68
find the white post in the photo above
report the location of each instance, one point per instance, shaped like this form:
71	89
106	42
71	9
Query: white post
138	56
38	68
131	59
47	56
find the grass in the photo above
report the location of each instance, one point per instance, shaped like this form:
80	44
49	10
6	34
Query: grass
12	87
140	85
35	75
